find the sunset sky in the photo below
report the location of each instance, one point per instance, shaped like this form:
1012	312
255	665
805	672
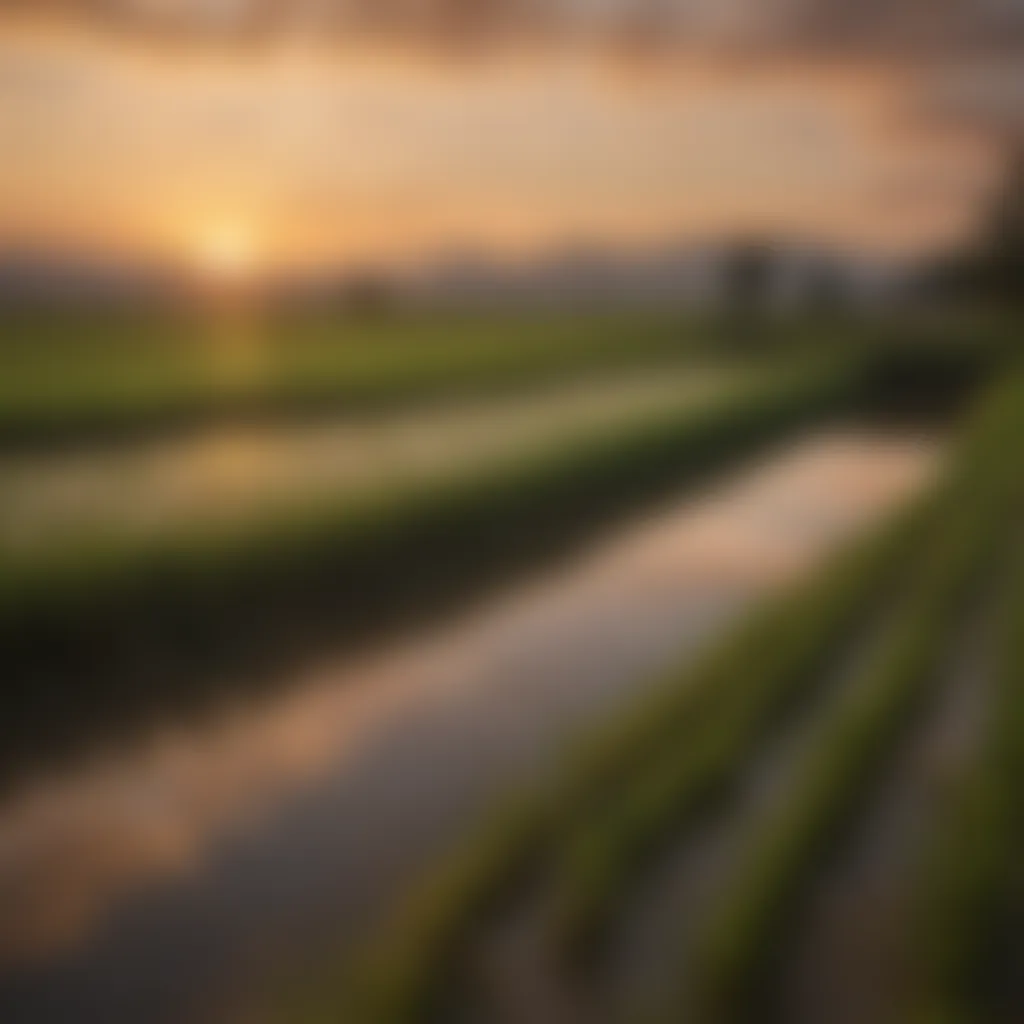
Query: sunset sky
290	134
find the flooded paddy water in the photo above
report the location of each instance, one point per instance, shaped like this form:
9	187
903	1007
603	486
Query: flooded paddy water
221	475
174	880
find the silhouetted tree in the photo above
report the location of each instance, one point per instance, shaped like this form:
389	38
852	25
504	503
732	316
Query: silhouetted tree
992	267
1001	266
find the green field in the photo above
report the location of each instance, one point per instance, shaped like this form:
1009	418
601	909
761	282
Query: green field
105	376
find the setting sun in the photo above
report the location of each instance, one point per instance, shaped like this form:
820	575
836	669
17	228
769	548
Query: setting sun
226	252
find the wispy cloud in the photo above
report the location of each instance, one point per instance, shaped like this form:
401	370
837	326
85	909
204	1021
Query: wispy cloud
871	122
927	26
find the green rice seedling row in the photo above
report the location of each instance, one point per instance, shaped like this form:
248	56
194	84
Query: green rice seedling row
653	760
674	776
562	823
968	878
740	938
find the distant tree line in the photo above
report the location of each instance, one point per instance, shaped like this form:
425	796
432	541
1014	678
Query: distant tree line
991	268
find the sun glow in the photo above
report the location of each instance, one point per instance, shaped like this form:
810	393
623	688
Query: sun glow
227	253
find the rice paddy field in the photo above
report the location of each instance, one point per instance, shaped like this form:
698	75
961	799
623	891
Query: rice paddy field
68	378
777	742
222	556
234	475
567	671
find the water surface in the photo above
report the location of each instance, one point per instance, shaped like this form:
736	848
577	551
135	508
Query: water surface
159	882
242	471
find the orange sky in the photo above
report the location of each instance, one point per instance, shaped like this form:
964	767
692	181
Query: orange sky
312	155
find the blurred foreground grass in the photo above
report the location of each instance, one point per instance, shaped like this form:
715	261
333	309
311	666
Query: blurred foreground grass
634	784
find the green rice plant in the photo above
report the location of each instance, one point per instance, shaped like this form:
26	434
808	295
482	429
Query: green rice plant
970	873
596	764
407	967
684	746
851	746
410	962
688	754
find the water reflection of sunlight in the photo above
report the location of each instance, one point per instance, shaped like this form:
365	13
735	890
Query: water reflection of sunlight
73	848
244	470
225	466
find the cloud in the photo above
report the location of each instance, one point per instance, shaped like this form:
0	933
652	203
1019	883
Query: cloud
926	26
878	125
